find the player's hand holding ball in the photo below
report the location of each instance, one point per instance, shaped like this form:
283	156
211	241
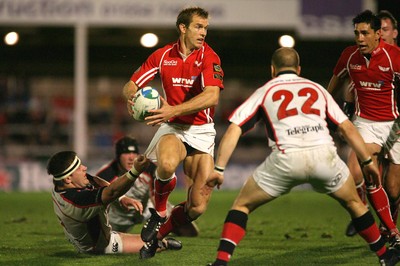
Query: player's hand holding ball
143	101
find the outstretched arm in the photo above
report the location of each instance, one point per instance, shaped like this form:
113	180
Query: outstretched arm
121	185
226	147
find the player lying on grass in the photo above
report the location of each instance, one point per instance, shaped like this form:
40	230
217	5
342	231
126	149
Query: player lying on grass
122	219
80	202
296	111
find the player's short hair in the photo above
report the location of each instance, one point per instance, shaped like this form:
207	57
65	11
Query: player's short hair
126	144
285	57
384	14
368	17
186	15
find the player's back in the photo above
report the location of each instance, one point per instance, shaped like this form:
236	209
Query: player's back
297	111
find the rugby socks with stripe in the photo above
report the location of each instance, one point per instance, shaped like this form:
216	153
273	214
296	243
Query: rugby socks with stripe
162	190
177	218
367	229
379	200
233	232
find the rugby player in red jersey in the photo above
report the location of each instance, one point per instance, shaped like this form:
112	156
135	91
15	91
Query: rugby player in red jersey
192	79
372	66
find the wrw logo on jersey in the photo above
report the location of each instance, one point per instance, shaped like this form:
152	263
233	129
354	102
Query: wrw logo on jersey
371	84
182	82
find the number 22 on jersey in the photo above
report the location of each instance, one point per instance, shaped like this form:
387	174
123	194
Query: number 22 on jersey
287	97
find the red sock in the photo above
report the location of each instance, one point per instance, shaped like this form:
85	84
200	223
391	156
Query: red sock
367	229
233	232
177	218
379	200
162	189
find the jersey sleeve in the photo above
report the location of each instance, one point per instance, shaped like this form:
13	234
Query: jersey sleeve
248	113
212	73
147	71
340	69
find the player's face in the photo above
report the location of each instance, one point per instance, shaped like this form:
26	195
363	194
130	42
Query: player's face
388	33
366	38
196	33
126	160
78	177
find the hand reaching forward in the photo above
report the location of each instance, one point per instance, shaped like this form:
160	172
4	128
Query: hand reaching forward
129	203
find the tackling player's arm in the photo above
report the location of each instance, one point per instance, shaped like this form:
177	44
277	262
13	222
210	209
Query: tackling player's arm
121	185
225	150
209	97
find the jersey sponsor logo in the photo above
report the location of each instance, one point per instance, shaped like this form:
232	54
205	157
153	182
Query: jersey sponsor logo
183	81
304	129
170	63
218	76
384	69
217	68
371	85
355	67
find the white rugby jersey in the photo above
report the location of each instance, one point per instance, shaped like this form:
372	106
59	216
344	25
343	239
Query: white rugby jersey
295	110
83	217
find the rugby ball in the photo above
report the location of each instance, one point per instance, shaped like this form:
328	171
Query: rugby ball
145	99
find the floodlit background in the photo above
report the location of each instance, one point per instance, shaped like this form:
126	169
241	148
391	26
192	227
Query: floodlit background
63	65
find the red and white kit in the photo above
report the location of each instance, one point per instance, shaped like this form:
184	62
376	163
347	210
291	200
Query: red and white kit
373	80
180	82
296	112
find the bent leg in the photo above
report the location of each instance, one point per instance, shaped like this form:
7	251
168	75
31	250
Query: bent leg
132	243
361	217
170	152
197	166
392	187
250	197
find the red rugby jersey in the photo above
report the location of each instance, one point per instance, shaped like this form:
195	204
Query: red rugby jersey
373	80
183	79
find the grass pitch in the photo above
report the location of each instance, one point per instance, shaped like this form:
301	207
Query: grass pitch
302	228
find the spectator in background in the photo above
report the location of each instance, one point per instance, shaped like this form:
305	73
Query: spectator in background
80	202
122	219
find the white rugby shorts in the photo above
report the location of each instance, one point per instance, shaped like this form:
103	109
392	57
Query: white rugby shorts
320	167
200	137
378	133
115	245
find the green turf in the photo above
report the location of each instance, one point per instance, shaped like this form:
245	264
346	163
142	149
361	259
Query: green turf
302	228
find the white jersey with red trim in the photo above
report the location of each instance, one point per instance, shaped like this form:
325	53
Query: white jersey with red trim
183	79
373	80
295	110
83	217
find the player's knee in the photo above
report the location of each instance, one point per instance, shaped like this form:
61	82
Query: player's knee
166	168
195	212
